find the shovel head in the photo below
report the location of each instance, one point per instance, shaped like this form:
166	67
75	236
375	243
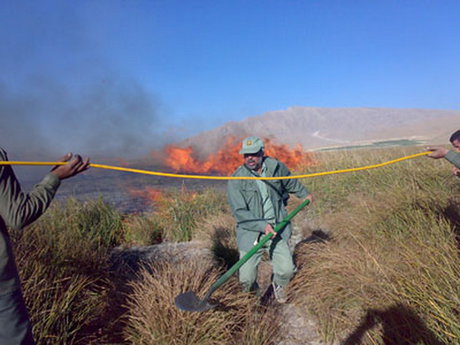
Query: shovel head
188	301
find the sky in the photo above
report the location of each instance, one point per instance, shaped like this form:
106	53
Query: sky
121	77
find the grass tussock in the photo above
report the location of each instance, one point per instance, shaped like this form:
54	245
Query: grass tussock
154	319
218	231
142	229
388	271
180	213
63	266
391	273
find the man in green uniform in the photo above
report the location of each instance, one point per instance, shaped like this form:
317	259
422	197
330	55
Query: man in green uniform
17	210
258	205
453	156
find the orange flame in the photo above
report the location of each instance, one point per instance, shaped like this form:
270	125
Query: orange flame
162	199
228	158
148	193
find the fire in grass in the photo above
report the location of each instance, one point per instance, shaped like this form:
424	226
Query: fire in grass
225	160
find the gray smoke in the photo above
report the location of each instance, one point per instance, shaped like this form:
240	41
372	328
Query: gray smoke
60	90
114	118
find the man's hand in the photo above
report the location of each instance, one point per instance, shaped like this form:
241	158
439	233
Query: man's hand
456	171
437	152
74	166
269	230
310	197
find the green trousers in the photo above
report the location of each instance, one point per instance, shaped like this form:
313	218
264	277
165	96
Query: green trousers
281	258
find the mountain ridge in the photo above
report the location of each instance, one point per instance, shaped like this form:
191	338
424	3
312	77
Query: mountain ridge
314	127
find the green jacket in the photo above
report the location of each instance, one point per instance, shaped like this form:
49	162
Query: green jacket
454	158
17	210
246	202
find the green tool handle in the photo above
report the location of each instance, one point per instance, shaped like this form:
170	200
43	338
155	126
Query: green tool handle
254	249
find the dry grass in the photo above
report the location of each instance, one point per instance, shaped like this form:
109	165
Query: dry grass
391	273
154	319
218	231
388	274
63	266
179	213
142	230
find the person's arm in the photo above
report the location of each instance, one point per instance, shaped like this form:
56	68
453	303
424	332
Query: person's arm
293	186
454	158
441	152
19	209
240	211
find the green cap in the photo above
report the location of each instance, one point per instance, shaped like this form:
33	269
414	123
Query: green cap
251	145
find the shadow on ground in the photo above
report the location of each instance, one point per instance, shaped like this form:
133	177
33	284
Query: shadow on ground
452	214
224	247
317	236
399	325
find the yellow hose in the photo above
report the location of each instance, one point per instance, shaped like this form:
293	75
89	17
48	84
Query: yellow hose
146	172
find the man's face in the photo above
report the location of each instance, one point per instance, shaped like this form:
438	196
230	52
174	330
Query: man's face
456	144
254	160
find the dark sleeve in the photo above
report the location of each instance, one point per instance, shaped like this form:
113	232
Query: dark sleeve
19	209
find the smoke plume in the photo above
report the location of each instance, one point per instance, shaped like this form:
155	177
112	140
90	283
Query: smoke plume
60	91
109	118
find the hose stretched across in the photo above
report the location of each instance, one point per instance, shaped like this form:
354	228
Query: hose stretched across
202	177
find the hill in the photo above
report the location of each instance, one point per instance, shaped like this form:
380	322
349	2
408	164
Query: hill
316	128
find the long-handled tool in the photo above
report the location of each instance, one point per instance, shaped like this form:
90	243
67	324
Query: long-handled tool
189	301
